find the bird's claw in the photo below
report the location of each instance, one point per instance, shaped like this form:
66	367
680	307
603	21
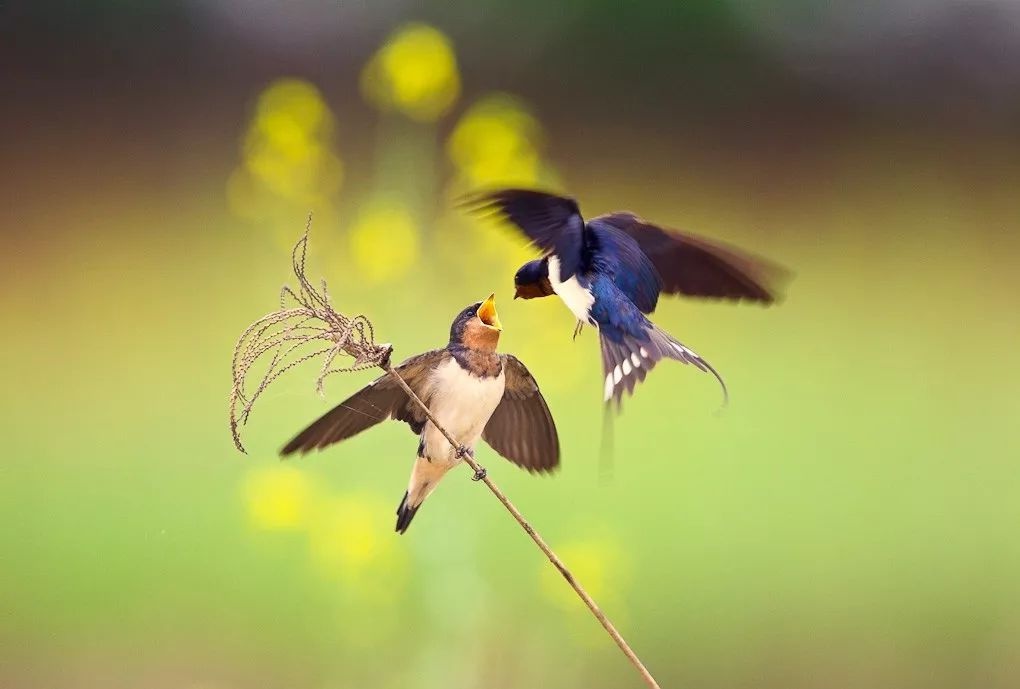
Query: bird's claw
480	473
578	328
465	451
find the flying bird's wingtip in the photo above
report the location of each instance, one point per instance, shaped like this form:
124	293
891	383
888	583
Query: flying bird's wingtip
294	448
468	200
545	471
775	281
484	197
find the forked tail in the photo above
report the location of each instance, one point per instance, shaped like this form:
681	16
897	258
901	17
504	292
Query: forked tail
405	513
626	363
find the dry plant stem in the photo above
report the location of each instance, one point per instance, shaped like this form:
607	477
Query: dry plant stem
553	558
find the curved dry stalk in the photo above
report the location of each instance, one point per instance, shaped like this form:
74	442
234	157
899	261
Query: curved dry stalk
288	337
287	333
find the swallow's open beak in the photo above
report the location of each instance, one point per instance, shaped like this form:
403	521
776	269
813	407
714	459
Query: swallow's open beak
517	292
487	313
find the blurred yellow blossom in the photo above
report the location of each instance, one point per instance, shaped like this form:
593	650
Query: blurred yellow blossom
414	72
604	569
497	142
598	562
347	540
288	159
384	241
278	498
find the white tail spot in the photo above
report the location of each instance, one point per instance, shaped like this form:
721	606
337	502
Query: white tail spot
617	375
609	387
644	353
626	367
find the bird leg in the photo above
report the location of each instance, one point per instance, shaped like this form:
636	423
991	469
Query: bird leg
465	451
578	328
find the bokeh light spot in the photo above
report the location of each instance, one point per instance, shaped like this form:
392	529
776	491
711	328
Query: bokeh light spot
414	72
599	563
347	542
278	498
384	241
497	142
345	535
604	569
288	159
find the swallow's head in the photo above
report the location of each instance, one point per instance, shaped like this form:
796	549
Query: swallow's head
477	326
532	280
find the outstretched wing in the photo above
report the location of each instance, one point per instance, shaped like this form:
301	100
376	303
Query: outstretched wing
698	267
522	428
381	399
552	223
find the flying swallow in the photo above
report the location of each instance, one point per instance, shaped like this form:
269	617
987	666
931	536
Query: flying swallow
472	391
610	270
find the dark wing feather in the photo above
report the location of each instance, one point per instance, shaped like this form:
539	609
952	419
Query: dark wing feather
552	223
698	267
522	428
381	399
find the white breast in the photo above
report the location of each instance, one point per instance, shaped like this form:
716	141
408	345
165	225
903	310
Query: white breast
577	298
462	403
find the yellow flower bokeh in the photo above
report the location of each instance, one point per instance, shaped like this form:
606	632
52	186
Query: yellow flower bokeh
346	541
278	498
598	562
414	72
498	141
344	536
384	241
288	158
604	569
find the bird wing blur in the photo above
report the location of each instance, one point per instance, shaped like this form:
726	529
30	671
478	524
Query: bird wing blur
379	400
522	428
611	270
698	267
552	223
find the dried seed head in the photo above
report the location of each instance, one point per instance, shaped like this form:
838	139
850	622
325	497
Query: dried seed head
306	326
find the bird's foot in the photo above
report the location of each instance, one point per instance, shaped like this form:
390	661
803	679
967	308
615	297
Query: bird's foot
578	328
480	473
465	451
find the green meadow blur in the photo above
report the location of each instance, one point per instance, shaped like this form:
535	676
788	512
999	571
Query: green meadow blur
849	520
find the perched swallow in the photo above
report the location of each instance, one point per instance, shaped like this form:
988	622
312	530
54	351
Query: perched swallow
610	270
470	389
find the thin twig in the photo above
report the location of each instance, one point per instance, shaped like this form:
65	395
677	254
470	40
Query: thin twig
284	333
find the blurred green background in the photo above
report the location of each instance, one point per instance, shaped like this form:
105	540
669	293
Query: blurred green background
850	520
